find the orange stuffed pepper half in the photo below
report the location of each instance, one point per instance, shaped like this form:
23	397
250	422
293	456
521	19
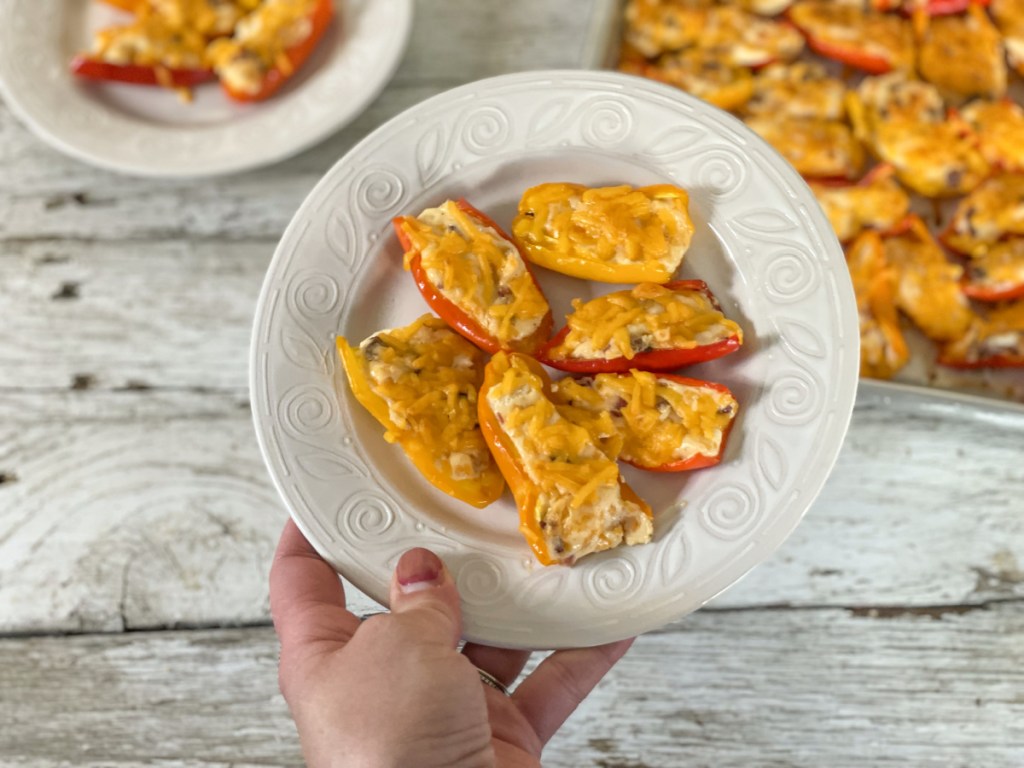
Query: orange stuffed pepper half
421	382
472	275
571	499
657	422
608	234
649	327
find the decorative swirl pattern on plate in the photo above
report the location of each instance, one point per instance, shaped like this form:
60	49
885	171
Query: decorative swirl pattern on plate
730	512
794	398
480	581
614	581
790	276
487	128
306	410
606	122
367	517
379	191
721	173
775	265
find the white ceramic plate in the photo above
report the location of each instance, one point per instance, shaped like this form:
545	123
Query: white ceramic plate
761	243
149	132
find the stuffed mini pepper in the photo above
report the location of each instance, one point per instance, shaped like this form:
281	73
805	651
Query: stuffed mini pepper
421	382
571	499
993	341
471	274
649	327
658	422
609	234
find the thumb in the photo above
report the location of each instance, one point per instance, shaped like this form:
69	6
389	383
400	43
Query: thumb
424	597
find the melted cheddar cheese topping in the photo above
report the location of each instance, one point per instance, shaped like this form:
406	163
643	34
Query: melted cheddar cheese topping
963	54
260	43
883	350
999	126
881	203
1001	334
473	266
170	33
428	376
1009	18
992	211
653	420
579	506
1001	268
612	234
849	26
905	124
646	318
816	148
654	27
706	73
800	90
928	285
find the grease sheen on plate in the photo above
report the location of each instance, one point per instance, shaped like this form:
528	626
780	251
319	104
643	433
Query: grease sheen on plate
762	245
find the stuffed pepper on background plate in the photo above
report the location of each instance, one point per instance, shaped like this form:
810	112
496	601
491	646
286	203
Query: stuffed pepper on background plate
472	274
571	499
421	382
609	234
658	422
649	327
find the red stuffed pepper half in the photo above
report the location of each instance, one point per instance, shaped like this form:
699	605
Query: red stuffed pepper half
649	327
658	422
472	275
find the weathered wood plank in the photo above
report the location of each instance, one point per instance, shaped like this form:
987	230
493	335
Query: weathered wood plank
759	687
152	508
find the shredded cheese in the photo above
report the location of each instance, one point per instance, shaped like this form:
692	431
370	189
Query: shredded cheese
879	204
429	377
473	266
653	420
580	507
646	318
607	233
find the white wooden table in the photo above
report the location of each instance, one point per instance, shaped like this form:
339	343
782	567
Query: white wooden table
137	522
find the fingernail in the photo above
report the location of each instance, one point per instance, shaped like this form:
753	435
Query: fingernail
419	569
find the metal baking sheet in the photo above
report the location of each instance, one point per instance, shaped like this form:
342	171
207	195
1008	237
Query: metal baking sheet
601	51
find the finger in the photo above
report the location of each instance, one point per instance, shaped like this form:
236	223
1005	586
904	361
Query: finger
504	663
307	599
424	597
553	691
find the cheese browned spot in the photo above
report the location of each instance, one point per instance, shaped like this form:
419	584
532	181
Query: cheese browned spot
1001	268
260	43
652	420
473	266
816	148
798	90
579	506
708	73
1000	334
963	54
992	211
905	124
999	126
429	377
605	233
646	318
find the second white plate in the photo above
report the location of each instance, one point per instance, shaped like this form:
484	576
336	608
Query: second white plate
147	132
762	244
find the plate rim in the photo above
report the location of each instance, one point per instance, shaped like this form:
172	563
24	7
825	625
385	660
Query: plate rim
775	534
68	148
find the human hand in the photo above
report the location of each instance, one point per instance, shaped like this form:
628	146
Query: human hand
393	690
